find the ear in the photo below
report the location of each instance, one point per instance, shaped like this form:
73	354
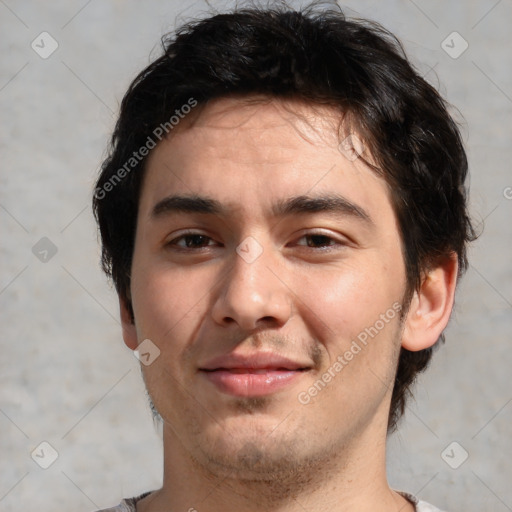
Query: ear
431	306
128	325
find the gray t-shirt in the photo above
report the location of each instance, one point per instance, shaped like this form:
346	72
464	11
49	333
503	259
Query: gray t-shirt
130	504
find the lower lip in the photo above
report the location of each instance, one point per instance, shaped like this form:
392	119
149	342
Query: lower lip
251	384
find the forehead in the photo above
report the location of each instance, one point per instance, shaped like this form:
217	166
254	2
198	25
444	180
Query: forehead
310	121
233	146
262	129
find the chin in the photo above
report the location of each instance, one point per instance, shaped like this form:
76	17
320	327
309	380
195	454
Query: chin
251	462
259	454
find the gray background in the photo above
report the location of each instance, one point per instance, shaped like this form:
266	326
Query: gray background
66	377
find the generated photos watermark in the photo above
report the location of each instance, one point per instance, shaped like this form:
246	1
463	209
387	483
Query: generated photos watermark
356	346
157	135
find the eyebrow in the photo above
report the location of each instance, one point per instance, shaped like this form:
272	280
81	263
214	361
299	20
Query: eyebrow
330	203
188	204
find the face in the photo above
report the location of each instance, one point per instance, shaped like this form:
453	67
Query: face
268	271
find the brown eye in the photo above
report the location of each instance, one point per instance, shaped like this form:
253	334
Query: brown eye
191	241
194	241
319	240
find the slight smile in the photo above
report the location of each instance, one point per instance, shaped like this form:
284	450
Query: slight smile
252	375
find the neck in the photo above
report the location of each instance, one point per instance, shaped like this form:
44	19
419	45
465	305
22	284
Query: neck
352	478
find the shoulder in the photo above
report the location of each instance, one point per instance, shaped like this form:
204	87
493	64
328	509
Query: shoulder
126	505
421	506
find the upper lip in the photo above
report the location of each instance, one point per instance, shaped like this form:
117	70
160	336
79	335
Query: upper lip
256	361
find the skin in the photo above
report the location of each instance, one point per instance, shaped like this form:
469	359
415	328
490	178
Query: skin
303	297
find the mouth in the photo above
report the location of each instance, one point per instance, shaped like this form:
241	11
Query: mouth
257	371
252	375
251	382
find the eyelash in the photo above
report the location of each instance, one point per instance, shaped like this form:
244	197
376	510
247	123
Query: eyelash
324	247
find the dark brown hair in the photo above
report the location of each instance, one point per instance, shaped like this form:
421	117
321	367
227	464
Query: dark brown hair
320	56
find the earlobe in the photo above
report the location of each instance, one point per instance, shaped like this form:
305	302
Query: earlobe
128	325
431	306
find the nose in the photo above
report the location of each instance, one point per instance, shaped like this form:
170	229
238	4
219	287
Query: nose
252	294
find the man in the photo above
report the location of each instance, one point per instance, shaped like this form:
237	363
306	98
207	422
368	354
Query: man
283	214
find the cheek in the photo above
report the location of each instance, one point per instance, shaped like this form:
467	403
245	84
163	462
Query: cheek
168	306
165	300
360	346
352	311
348	298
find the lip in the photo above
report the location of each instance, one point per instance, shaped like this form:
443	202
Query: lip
255	361
252	375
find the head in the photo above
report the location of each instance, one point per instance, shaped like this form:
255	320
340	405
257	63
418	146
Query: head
251	109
